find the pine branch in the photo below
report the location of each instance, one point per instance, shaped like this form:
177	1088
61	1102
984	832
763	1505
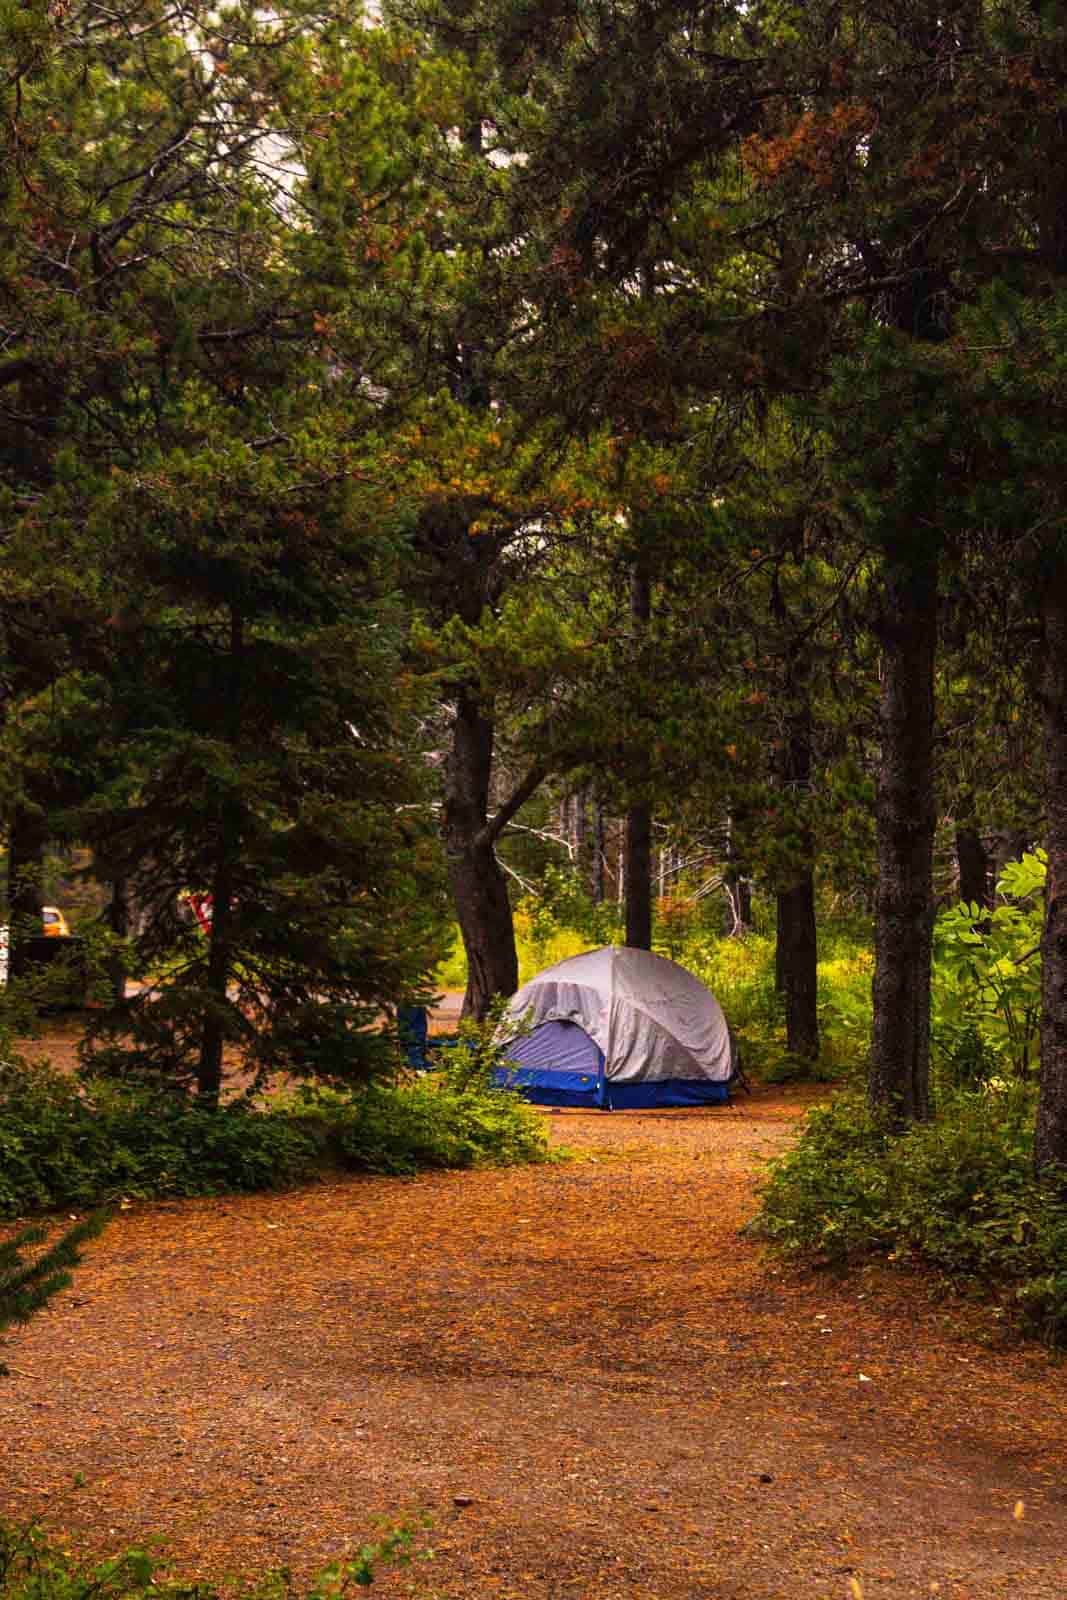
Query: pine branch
27	1286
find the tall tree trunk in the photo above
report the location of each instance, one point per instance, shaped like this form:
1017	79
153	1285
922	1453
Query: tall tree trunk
219	968
25	880
478	886
900	1044
797	954
797	962
118	920
220	940
639	877
1050	1141
639	816
1050	1134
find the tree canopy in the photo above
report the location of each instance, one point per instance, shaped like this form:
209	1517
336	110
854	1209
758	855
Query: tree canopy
404	411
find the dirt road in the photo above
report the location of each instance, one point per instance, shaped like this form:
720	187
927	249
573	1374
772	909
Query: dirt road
585	1374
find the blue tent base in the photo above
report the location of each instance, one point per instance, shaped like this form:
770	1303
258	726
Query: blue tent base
543	1087
671	1092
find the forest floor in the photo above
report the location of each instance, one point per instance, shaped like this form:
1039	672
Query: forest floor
588	1374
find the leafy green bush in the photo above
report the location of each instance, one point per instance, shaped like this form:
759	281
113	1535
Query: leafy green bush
740	973
986	995
788	1068
63	1144
429	1121
958	1194
67	1144
34	1567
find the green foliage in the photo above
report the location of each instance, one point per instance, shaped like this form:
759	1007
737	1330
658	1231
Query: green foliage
453	1116
958	1194
62	1144
211	544
787	1068
564	903
987	981
26	1286
67	1145
33	1566
740	973
433	1119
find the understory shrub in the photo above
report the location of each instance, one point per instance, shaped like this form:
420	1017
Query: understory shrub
428	1121
958	1194
77	1145
740	974
34	1566
68	1144
986	989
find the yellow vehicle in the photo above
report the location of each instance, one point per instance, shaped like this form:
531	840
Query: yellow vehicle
55	923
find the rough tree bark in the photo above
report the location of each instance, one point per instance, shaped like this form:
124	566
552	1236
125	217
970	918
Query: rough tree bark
797	954
639	816
479	888
483	909
220	939
1050	1140
899	1075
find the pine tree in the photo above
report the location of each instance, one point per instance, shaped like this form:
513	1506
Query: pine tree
26	1286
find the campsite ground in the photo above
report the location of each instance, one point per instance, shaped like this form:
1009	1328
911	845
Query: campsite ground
587	1374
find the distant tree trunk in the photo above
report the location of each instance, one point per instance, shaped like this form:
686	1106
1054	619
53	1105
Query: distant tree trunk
738	888
219	968
599	862
581	828
1050	1139
973	862
118	920
478	886
639	816
639	877
25	876
798	957
216	1027
797	954
899	1075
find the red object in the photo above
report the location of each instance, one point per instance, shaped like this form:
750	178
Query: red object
200	905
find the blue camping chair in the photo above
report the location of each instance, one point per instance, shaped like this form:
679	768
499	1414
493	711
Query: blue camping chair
412	1026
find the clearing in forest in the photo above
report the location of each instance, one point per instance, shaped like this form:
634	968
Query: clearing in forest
586	1374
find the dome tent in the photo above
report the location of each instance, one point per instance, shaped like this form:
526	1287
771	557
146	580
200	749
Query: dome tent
617	1028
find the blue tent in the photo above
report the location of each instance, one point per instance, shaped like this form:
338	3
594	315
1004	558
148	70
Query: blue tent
617	1028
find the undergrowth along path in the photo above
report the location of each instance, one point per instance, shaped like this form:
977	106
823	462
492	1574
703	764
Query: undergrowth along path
586	1373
